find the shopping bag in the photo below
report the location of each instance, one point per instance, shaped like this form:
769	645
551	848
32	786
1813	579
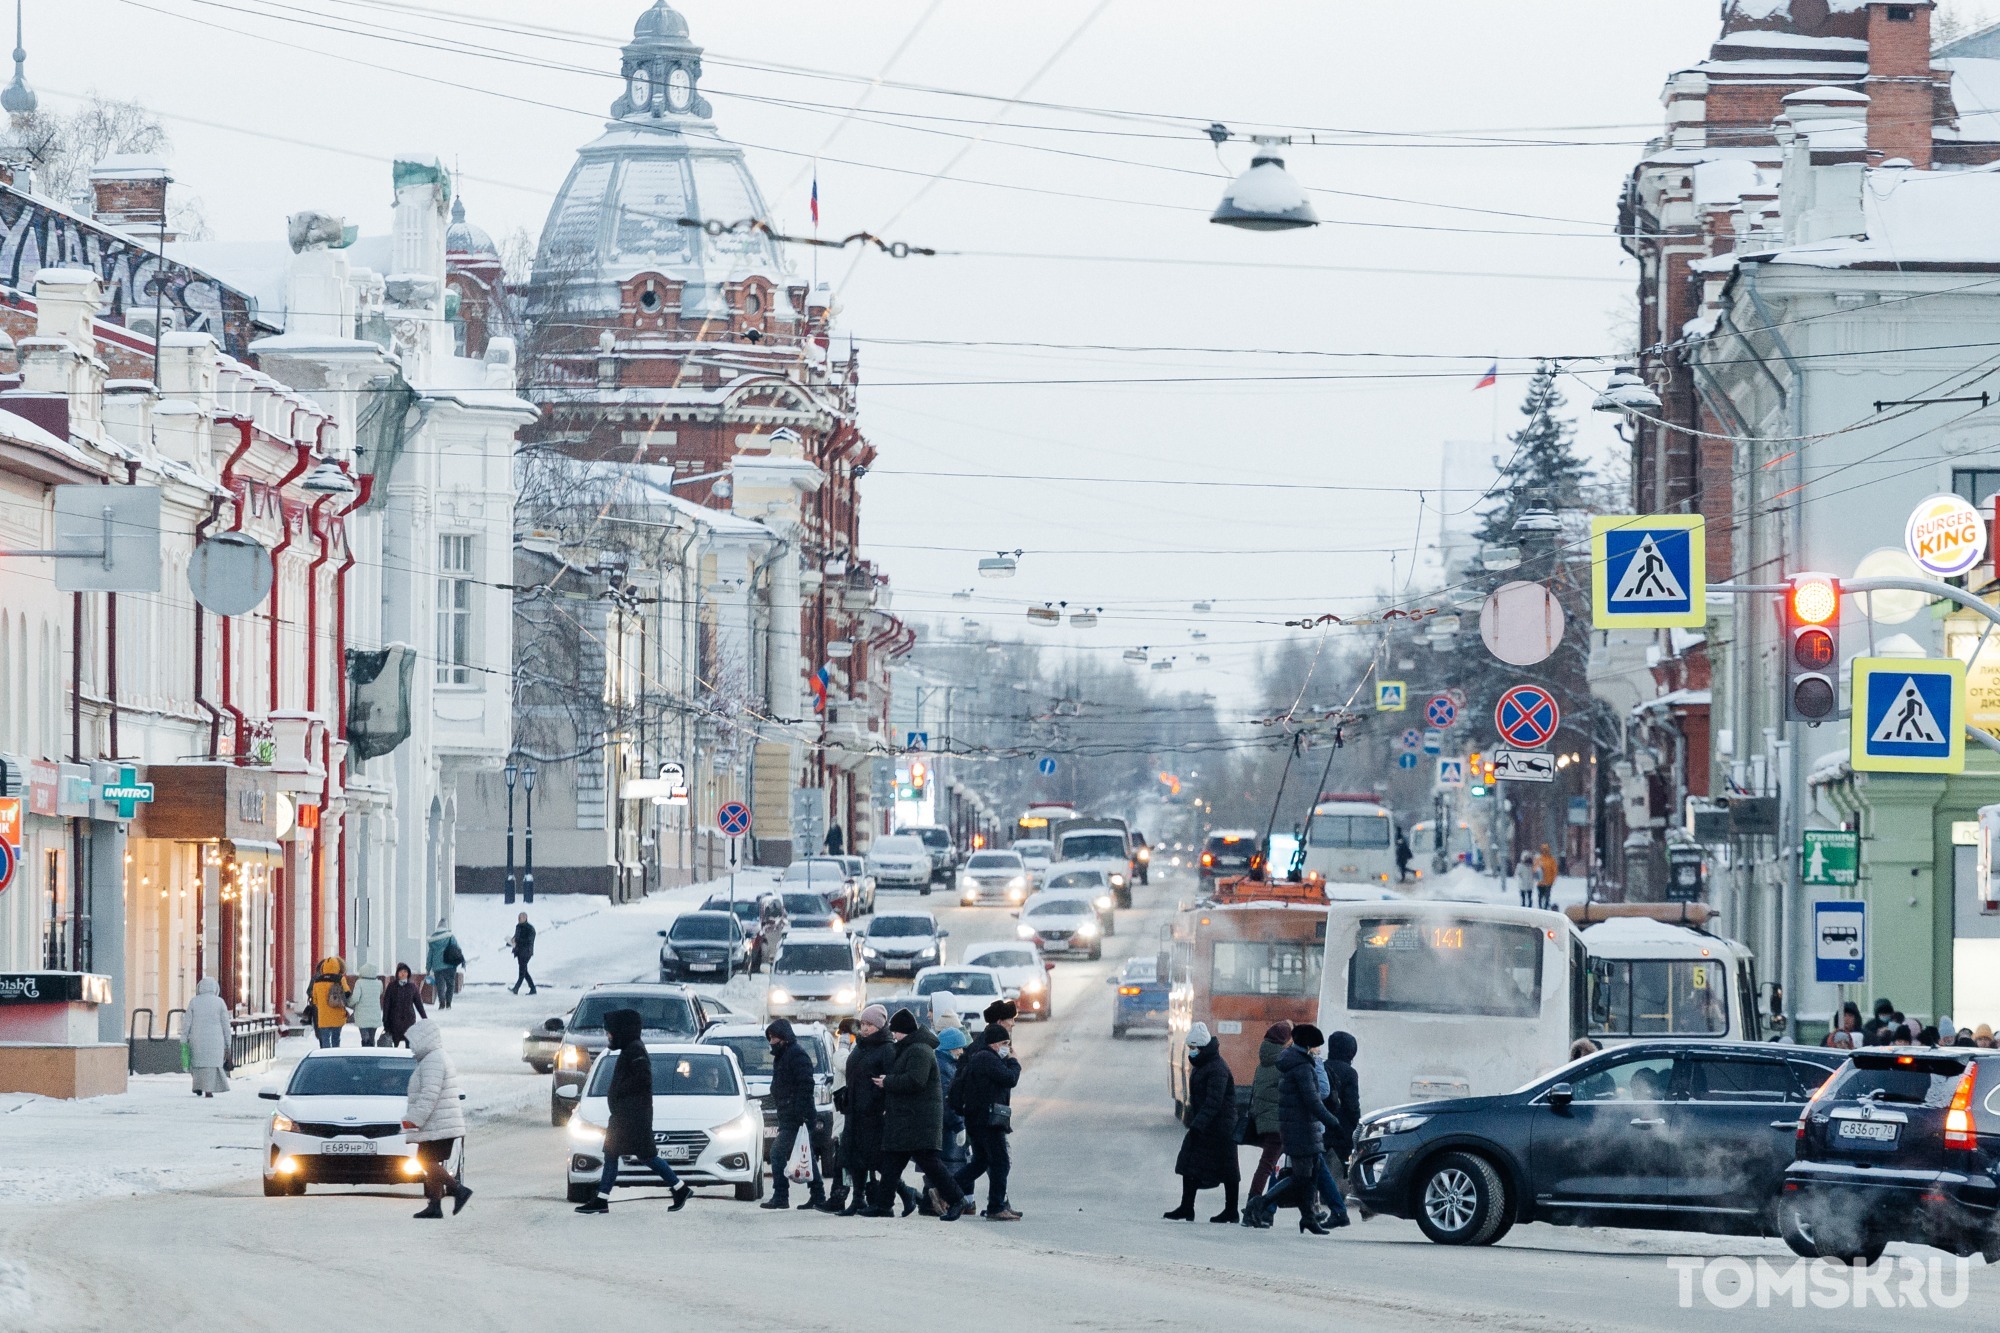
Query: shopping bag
799	1167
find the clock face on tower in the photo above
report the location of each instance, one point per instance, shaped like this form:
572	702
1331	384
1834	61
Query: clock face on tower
680	88
642	89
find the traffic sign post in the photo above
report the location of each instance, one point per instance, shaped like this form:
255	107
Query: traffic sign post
1527	716
1440	712
1411	739
1407	759
1524	765
733	819
1840	941
1433	742
1451	772
916	740
1829	857
1909	715
1391	696
1046	766
1648	571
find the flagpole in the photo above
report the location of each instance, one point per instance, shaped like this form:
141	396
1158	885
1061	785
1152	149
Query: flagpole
1496	406
815	221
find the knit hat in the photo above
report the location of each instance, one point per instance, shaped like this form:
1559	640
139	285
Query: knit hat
875	1016
903	1021
1307	1037
1001	1011
995	1035
1280	1031
953	1039
1198	1036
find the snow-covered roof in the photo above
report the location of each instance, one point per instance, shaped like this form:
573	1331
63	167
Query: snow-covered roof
1782	9
1829	767
1759	39
1975	91
1674	699
1913	217
1785	69
1643	937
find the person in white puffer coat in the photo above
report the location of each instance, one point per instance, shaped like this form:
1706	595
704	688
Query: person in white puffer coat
433	1118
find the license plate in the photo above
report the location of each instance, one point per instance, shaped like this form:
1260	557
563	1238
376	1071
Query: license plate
703	967
678	1152
1874	1131
346	1148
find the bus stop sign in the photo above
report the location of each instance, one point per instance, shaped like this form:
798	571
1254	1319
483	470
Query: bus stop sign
1840	941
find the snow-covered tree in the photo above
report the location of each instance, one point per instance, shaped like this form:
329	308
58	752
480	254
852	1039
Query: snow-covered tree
1543	470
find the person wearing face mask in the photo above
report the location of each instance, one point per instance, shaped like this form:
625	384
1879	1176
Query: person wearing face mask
861	1102
1304	1121
983	1094
913	1117
792	1107
1208	1152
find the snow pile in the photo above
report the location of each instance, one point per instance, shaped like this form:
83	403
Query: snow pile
1462	883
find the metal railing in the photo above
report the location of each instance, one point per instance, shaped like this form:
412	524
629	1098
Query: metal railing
253	1040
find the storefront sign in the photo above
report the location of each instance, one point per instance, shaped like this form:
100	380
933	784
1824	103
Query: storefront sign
10	839
44	781
127	792
1945	536
54	988
74	791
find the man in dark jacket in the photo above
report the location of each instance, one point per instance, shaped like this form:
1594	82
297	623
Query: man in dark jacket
630	1133
986	1078
1343	1097
402	1006
1264	1104
861	1136
913	1117
523	946
1303	1122
792	1107
1208	1152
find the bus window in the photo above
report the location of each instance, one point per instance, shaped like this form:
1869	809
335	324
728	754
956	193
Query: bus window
1442	966
1351	831
1579	997
1183	962
1659	997
1282	967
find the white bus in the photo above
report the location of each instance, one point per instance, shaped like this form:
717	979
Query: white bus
1653	979
1351	840
1451	999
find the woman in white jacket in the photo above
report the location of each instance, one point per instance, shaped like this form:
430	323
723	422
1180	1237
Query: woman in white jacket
433	1120
207	1031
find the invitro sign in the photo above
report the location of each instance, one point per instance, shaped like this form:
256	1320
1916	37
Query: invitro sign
1945	536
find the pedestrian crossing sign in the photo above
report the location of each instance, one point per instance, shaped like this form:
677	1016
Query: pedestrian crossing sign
1391	696
1648	571
1909	715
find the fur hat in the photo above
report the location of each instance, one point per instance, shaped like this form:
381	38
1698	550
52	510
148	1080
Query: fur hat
1307	1037
903	1021
1001	1011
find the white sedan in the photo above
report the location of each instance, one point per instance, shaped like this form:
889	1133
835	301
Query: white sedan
340	1122
965	991
1062	921
706	1124
1024	974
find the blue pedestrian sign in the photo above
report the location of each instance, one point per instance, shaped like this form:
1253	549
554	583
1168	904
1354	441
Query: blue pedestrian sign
917	740
1909	715
733	819
1840	941
1433	741
1406	759
1451	772
1411	738
1648	571
1045	766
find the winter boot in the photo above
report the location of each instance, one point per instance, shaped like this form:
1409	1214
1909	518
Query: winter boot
459	1195
817	1200
435	1208
909	1197
780	1198
597	1203
682	1193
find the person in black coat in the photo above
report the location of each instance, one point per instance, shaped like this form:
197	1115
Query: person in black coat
792	1107
523	945
986	1080
630	1133
402	1006
861	1135
913	1120
1343	1097
1208	1152
1303	1122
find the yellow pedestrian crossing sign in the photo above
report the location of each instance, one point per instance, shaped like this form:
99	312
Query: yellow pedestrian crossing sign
1648	571
1391	696
1909	715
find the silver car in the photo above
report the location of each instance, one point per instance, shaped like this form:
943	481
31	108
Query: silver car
1061	921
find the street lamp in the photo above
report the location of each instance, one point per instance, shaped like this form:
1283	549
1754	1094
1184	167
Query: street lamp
510	772
328	479
528	868
1626	392
1266	198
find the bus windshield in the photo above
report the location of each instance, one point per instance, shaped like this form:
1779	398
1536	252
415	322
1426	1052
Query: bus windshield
1658	997
1351	831
1437	965
1261	967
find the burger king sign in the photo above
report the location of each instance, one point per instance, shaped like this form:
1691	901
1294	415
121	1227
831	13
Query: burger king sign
1946	536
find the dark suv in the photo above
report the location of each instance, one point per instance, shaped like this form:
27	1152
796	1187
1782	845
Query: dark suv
1228	852
763	919
1902	1144
704	946
1678	1135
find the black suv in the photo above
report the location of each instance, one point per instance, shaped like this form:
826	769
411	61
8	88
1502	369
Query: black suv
1228	852
1902	1144
1680	1135
704	946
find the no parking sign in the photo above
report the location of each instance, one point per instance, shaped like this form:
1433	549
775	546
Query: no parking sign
10	839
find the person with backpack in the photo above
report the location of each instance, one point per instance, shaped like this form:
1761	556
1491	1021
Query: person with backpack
442	960
982	1095
630	1132
326	1002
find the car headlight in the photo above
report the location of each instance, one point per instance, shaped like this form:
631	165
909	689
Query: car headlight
930	952
1145	854
1395	1124
1026	931
742	1129
667	951
1117	881
779	995
837	923
967	882
1018	882
1104	901
1088	930
868	951
572	1057
845	995
584	1134
1032	986
283	1124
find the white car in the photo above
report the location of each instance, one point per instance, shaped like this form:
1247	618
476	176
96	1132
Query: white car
1024	974
900	861
903	942
993	877
339	1121
1093	881
1035	853
965	991
817	974
706	1123
753	1056
1062	921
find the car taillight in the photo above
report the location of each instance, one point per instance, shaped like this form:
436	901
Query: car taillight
1128	990
1208	858
1958	1116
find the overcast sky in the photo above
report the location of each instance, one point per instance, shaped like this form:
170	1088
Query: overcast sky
1501	134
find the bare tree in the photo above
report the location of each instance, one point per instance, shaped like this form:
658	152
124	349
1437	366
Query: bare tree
64	145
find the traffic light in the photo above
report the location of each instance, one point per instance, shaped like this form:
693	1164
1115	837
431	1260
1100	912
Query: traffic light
1812	648
920	773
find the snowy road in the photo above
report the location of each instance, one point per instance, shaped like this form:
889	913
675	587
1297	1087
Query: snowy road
1094	1151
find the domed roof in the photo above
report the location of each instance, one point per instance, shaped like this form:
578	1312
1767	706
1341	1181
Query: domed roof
660	22
463	237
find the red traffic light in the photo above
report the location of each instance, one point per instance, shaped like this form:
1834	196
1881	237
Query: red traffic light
1813	649
1815	598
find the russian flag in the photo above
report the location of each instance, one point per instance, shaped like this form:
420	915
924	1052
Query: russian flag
819	681
815	197
1490	378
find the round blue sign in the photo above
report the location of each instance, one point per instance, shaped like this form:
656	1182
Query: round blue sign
733	819
1406	760
8	859
1045	766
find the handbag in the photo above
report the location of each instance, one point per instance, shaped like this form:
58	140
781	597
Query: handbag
999	1116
